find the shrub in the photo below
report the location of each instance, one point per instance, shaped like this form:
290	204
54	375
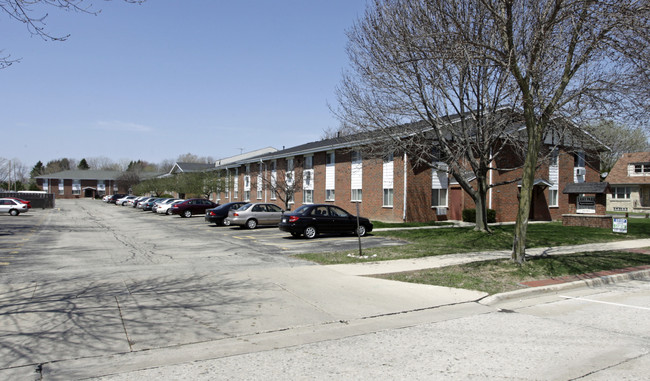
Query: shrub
469	215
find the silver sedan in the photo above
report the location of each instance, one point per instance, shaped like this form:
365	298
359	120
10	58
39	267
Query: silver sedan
253	214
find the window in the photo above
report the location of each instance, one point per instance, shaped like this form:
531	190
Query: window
642	168
308	196
357	195
309	162
330	176
439	197
555	156
76	187
621	193
388	180
247	195
356	176
62	187
388	197
579	159
552	197
439	185
290	164
329	160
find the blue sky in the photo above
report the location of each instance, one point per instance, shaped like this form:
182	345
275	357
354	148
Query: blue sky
165	78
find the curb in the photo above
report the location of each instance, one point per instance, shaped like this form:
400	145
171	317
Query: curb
536	291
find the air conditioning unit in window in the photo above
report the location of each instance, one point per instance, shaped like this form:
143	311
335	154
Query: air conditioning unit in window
441	211
581	171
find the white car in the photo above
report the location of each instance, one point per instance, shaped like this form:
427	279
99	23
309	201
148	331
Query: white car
165	207
122	201
12	207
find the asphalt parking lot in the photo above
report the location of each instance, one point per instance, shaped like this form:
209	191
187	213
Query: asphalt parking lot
271	238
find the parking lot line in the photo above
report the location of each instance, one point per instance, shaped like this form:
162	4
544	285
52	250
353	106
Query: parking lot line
4	263
601	302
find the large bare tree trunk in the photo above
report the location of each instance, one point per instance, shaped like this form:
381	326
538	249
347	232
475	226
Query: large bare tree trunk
526	193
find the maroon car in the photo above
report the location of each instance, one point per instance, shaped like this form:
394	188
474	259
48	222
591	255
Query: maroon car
192	206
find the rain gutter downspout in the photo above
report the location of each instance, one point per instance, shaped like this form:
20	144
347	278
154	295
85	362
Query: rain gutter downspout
405	188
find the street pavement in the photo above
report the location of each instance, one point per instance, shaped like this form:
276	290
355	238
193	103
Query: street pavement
147	310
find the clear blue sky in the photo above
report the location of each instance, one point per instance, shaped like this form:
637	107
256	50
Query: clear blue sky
170	77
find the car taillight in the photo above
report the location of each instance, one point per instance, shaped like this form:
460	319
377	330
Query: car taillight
212	213
293	218
235	214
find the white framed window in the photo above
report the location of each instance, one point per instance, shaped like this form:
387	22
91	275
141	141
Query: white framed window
357	195
235	185
62	187
308	196
553	197
76	187
356	176
388	197
642	168
309	162
247	195
45	185
439	185
330	176
274	179
621	193
388	180
439	197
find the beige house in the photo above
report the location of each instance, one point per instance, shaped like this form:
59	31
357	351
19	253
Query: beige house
629	181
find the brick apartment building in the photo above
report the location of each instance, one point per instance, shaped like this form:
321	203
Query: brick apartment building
394	189
80	183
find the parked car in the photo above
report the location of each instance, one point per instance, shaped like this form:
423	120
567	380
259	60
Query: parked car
29	205
254	214
115	197
311	220
144	201
192	206
148	206
122	201
165	207
137	201
13	207
218	215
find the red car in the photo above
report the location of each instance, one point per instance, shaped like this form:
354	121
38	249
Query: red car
192	206
29	205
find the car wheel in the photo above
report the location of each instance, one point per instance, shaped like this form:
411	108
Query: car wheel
251	224
361	231
168	212
187	213
310	232
14	212
225	222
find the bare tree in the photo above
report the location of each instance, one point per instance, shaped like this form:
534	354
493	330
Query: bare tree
620	138
579	59
102	163
34	17
282	182
408	67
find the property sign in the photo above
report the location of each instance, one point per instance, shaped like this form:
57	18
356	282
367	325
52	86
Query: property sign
586	204
620	225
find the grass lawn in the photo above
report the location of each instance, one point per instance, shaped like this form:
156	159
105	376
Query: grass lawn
498	276
429	242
